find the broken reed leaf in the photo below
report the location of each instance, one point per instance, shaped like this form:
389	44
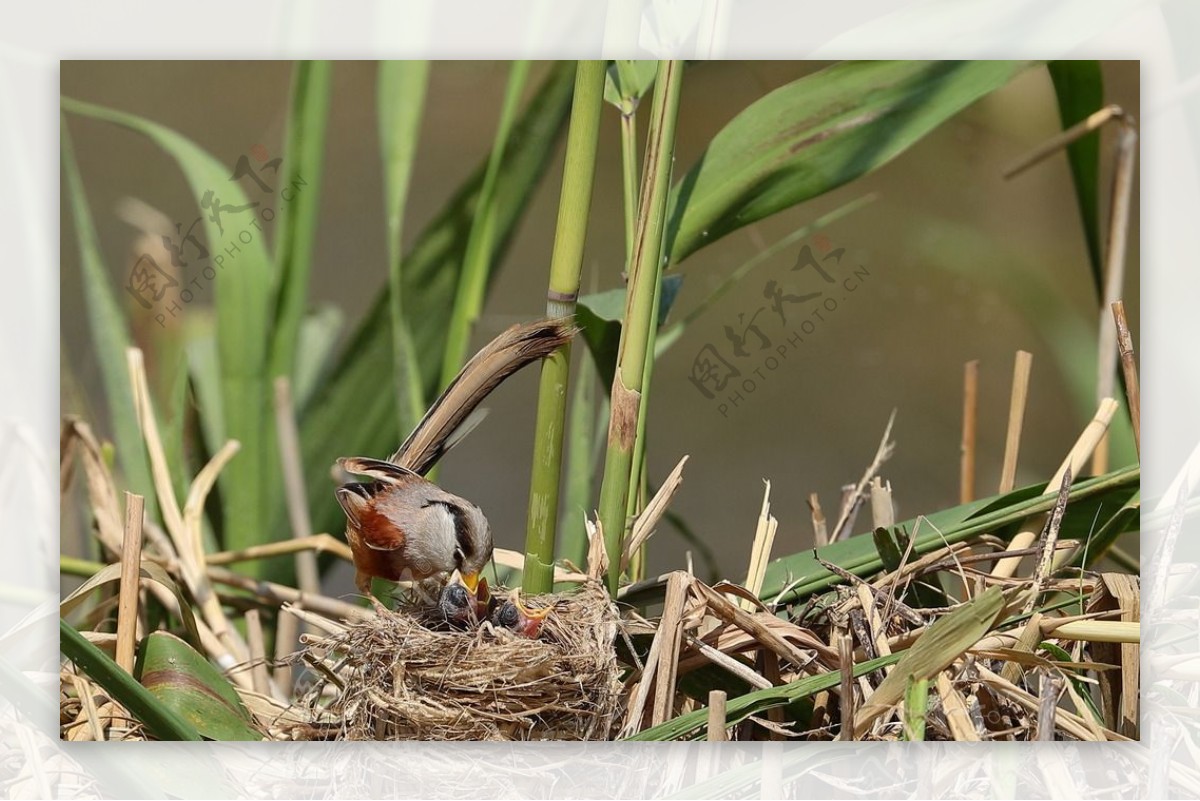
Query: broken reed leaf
186	683
149	570
943	642
738	709
163	722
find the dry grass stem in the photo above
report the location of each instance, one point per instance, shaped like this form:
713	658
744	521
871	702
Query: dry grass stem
883	512
760	553
846	705
858	491
648	520
293	484
1080	453
1120	198
1061	140
670	629
258	654
318	543
716	716
966	482
1047	704
1133	394
131	565
1022	367
820	530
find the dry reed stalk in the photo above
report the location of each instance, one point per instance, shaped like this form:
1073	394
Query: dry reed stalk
307	575
716	716
647	521
851	502
760	553
1080	453
1060	140
875	628
1119	694
318	543
87	700
597	556
287	633
729	639
131	569
770	672
847	508
258	654
1129	367
820	530
966	481
1120	197
317	620
731	613
639	690
722	660
275	594
671	630
1029	639
1116	631
1046	706
955	710
102	496
883	512
1049	542
1022	367
184	526
1084	712
160	546
846	704
920	564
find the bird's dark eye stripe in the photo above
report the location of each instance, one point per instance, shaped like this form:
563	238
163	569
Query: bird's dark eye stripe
460	526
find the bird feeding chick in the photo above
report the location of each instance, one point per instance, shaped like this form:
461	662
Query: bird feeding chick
464	606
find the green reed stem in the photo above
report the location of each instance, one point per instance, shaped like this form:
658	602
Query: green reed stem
629	171
645	273
566	266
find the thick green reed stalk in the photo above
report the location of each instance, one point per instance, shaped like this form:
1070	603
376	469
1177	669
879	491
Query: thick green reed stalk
565	268
645	273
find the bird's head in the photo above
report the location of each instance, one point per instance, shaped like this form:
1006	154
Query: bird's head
464	603
512	614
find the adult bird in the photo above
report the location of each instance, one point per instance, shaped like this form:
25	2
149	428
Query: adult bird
400	525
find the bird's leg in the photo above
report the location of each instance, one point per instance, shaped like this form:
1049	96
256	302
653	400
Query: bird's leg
363	582
377	605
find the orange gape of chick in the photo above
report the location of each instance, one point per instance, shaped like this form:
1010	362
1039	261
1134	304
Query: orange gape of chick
401	526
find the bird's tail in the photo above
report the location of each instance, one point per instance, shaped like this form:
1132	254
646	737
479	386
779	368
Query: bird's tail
443	425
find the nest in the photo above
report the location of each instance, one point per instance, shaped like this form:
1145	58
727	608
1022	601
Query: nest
402	676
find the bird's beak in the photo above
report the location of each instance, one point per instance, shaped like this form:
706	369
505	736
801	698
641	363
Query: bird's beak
469	580
530	619
477	586
533	614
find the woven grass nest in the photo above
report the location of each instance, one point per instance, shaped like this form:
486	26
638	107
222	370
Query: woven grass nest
404	676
